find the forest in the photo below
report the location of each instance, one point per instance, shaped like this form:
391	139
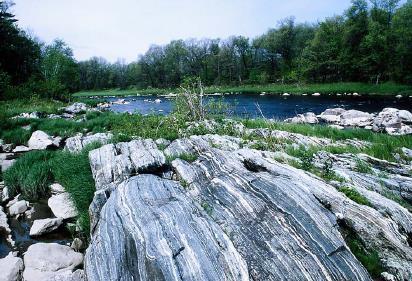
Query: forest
370	43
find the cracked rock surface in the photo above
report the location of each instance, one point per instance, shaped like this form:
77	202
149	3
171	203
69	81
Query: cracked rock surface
232	214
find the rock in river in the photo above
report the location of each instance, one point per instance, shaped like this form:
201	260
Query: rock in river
11	268
46	261
18	208
44	226
62	206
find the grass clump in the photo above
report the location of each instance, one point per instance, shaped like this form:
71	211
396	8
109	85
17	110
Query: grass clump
18	136
188	157
30	175
369	259
74	173
33	173
363	167
355	196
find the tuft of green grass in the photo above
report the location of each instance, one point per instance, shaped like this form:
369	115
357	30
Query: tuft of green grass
30	175
33	173
363	167
188	157
17	136
355	196
74	173
383	146
369	259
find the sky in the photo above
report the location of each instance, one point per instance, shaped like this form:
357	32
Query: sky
126	28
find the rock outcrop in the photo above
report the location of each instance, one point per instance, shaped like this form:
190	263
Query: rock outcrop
39	140
234	214
76	108
390	120
78	142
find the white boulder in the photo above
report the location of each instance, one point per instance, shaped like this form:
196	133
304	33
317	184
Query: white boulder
56	188
45	261
62	206
40	140
44	226
11	268
356	118
20	149
75	108
331	115
18	208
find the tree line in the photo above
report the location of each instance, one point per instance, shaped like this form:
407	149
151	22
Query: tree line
371	42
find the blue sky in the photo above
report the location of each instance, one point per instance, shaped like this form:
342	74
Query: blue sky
126	28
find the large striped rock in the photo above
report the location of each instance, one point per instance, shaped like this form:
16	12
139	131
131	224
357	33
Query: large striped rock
233	214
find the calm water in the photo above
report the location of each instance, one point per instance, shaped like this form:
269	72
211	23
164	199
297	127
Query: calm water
272	106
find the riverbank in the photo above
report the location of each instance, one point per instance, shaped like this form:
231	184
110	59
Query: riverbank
386	89
51	143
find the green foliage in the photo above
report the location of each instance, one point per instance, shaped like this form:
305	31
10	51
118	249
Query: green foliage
369	259
355	196
188	157
17	136
305	155
73	172
363	167
33	173
30	175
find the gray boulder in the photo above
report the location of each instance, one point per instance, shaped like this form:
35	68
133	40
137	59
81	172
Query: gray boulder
393	122
356	118
76	108
44	261
57	188
18	208
6	164
26	115
40	140
77	275
78	142
306	118
331	115
4	226
20	149
11	268
62	206
44	226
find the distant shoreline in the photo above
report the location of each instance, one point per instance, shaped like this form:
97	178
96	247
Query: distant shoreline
348	88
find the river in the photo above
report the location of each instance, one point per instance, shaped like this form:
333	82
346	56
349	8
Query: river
272	106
